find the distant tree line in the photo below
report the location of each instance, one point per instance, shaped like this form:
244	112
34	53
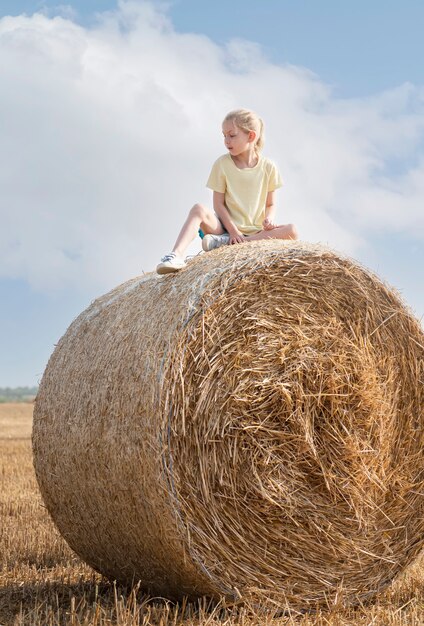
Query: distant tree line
17	394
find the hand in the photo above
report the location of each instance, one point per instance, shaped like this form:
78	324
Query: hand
269	224
236	236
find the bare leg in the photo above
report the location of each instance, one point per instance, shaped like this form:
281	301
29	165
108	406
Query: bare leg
287	231
198	217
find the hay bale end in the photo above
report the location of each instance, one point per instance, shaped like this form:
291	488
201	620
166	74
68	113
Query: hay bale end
251	427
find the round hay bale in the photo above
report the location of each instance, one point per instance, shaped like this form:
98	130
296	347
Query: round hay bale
251	427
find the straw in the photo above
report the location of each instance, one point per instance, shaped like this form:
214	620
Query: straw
250	427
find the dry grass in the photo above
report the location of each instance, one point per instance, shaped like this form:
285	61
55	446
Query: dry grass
42	583
261	438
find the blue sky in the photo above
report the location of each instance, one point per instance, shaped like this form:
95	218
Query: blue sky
101	103
358	47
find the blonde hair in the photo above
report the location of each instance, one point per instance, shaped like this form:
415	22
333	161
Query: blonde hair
248	120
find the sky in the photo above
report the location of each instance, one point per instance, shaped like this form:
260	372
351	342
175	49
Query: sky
110	119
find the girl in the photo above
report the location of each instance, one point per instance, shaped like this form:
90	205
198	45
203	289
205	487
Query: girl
243	184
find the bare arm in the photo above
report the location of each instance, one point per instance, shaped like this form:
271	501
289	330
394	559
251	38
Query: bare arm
222	212
268	222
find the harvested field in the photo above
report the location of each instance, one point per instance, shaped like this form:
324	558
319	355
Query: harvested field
15	421
42	583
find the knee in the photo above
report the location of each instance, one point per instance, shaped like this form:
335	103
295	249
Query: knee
292	232
198	210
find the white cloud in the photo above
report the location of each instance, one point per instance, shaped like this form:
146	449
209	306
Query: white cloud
108	134
63	10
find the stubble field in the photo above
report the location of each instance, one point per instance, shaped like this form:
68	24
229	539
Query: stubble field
42	582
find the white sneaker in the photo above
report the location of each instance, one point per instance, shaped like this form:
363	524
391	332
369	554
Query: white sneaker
209	242
170	263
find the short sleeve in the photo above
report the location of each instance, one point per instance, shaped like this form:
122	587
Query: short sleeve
216	180
274	177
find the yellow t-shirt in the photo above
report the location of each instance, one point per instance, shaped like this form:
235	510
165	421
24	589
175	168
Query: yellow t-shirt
245	190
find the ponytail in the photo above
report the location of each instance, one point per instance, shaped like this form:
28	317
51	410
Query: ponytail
248	120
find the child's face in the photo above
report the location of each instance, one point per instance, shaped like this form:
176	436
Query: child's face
237	141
